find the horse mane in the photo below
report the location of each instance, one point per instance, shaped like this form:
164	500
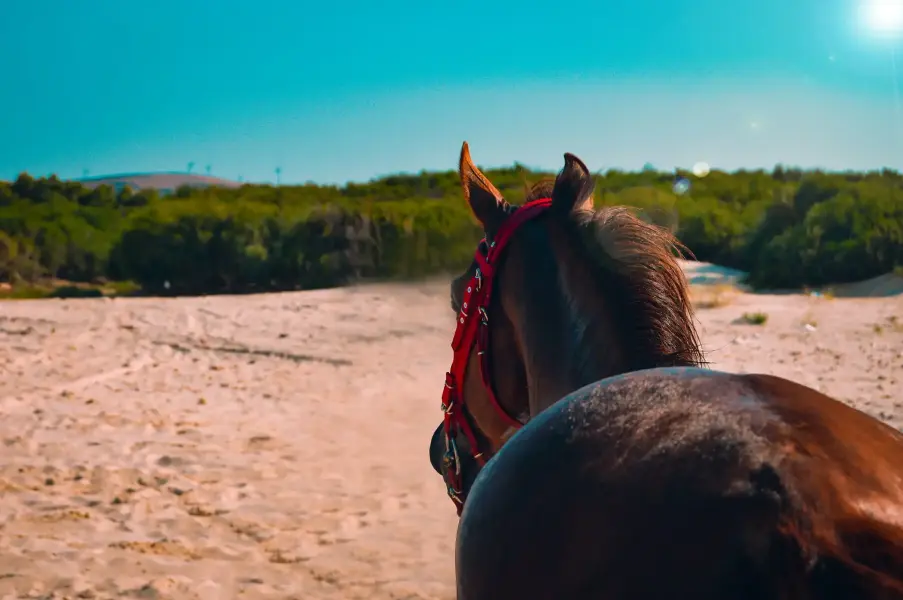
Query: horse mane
638	260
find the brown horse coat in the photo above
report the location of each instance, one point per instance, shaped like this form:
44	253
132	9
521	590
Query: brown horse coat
656	478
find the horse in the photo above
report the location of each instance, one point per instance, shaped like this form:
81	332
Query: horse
592	453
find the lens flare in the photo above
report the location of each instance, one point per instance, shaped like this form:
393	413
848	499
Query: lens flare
701	169
681	186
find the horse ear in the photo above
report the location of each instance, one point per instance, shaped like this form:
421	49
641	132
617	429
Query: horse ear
573	187
485	200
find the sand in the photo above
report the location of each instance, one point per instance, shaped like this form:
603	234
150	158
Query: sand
275	446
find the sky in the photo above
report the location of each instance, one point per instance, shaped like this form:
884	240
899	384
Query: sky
333	90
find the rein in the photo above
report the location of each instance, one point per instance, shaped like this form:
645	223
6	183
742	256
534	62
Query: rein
473	329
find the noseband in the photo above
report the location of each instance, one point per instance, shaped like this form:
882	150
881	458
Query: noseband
473	329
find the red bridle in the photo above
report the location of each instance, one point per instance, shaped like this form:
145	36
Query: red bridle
473	329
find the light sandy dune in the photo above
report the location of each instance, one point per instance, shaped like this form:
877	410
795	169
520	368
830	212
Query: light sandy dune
274	446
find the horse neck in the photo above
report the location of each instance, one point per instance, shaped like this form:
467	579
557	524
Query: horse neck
567	329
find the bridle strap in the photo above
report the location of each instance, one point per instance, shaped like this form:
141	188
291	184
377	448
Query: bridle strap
473	330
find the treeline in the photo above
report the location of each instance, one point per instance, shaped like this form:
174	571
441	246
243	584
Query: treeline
787	228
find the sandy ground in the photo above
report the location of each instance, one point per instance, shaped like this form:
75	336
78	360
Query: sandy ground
274	446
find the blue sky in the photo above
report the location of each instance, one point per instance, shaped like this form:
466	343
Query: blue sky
334	91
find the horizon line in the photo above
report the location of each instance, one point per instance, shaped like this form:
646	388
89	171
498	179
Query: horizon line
514	165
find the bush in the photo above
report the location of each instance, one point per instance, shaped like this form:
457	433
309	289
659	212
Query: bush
72	291
787	228
756	318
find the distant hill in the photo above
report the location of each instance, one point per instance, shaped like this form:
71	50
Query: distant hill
165	183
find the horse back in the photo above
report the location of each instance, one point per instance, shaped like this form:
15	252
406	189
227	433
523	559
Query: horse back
689	483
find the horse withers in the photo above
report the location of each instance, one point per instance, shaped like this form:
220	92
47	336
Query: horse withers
592	456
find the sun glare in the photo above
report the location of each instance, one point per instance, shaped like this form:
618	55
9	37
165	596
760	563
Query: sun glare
882	17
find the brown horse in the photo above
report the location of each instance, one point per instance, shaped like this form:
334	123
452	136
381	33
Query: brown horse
656	478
